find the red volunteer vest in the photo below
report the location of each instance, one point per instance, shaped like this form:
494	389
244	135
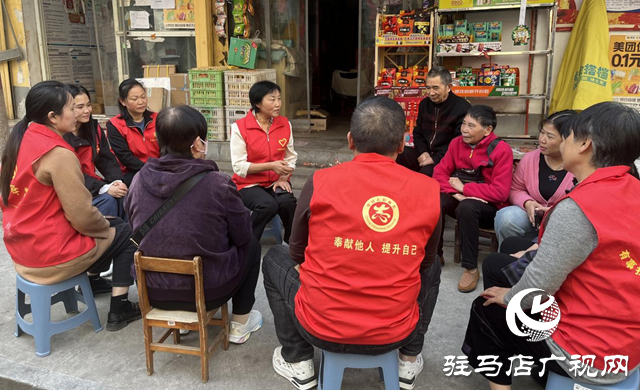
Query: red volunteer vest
599	304
36	232
143	146
85	155
262	147
361	276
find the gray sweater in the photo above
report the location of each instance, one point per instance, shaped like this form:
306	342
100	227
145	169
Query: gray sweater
569	238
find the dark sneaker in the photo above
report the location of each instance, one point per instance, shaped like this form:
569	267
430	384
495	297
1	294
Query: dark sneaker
100	286
117	321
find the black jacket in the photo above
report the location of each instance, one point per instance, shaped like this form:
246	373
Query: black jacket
103	159
438	124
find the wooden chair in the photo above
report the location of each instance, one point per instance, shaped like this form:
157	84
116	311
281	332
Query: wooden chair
174	320
486	233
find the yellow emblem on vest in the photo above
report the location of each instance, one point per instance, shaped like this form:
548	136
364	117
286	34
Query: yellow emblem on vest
381	214
282	142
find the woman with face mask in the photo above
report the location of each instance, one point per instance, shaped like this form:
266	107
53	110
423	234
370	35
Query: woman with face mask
211	221
92	148
51	229
132	134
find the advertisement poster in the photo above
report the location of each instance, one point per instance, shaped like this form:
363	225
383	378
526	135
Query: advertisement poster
624	15
182	16
624	53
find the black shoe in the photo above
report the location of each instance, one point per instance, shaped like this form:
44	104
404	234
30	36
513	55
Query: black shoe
117	321
100	286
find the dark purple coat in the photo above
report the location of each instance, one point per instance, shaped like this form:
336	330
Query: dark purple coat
210	221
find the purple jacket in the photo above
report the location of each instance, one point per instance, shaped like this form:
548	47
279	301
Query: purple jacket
210	221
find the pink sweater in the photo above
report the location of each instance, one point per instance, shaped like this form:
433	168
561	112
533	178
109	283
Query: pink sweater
526	186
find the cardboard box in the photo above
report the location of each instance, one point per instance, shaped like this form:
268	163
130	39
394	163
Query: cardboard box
98	109
180	94
156	99
105	88
318	124
151	71
99	99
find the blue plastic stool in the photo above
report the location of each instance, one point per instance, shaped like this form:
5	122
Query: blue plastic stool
559	382
332	367
42	298
275	231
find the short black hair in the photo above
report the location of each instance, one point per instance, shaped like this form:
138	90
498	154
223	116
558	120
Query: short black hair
378	126
123	92
442	72
558	119
177	127
614	130
484	115
259	90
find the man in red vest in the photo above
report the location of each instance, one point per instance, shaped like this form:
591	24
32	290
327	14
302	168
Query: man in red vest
359	275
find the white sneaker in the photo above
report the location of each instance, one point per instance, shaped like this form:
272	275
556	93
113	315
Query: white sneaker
301	375
408	372
239	333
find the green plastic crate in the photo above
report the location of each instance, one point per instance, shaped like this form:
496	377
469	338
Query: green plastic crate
207	94
211	85
208	102
214	76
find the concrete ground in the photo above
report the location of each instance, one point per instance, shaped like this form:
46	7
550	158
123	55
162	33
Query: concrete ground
82	359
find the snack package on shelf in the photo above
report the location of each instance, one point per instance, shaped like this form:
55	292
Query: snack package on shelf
404	77
387	78
390	25
422	23
495	31
420	76
460	26
405	27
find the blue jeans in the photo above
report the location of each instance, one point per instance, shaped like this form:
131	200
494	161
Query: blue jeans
512	221
110	206
282	282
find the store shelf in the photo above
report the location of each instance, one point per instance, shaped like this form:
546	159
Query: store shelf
494	8
391	46
161	34
529	97
496	53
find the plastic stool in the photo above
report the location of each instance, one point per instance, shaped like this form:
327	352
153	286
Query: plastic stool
559	382
275	231
332	367
42	298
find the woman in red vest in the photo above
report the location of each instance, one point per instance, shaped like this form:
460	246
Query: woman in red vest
588	260
51	229
132	134
263	159
92	148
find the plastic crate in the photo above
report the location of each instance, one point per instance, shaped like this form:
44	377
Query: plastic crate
203	75
235	113
238	86
210	85
207	102
249	76
207	94
237	98
211	112
216	135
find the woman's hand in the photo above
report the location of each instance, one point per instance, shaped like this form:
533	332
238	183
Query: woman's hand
282	183
531	206
494	295
281	168
118	189
456	184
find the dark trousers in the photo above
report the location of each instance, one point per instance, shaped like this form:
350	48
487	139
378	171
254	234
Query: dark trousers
128	178
282	282
471	216
110	206
488	334
243	296
409	159
492	266
121	252
265	204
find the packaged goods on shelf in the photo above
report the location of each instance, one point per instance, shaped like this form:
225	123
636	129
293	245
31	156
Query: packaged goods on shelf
409	28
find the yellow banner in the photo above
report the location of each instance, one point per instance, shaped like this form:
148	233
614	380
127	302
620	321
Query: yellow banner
585	74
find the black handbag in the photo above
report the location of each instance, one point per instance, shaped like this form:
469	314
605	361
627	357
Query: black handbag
475	175
166	206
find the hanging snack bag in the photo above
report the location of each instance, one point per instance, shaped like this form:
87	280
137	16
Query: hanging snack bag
495	31
404	77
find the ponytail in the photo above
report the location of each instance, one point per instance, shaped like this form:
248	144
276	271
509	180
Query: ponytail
10	158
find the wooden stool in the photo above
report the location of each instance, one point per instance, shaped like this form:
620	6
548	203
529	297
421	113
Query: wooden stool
486	233
174	320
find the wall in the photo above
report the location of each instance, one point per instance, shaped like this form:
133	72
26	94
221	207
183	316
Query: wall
19	70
